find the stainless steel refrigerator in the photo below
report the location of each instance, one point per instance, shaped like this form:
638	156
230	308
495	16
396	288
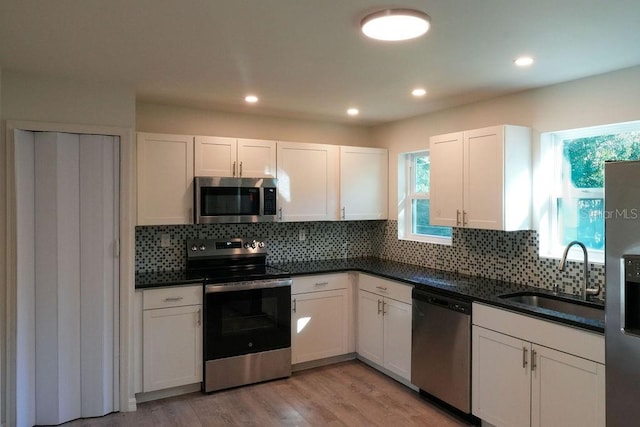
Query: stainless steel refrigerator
622	330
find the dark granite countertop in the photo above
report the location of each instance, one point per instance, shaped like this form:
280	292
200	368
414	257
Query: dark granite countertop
158	279
469	288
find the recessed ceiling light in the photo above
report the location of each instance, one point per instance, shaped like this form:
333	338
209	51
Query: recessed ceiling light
395	24
353	111
523	61
418	92
251	99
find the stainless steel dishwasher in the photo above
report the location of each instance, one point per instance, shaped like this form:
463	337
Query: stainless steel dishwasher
441	348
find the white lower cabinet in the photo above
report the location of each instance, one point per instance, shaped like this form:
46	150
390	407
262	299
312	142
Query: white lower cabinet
384	324
517	381
171	337
320	318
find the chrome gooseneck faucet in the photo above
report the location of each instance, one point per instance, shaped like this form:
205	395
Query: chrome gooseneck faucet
586	290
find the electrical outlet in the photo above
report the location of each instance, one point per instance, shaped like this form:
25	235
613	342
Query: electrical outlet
165	240
302	235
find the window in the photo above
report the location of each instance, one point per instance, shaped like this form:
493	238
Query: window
576	200
413	215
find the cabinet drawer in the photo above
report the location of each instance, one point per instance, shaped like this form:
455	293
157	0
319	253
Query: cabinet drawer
172	297
387	288
321	282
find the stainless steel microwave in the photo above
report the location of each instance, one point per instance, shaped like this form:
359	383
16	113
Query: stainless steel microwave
228	200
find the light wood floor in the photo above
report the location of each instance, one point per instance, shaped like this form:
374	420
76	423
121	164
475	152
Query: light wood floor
344	394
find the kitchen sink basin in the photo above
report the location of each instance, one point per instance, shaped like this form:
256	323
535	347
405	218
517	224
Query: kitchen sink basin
558	303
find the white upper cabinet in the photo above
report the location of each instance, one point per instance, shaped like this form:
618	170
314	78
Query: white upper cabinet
215	156
241	158
164	178
308	176
482	178
445	153
363	183
257	158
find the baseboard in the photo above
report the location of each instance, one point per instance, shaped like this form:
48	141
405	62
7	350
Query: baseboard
132	405
388	373
322	362
169	392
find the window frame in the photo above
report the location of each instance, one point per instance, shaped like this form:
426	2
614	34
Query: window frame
550	188
406	193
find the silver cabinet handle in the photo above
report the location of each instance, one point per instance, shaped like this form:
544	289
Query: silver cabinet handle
343	212
382	288
379	310
384	303
234	169
457	217
173	299
464	218
240	170
524	357
533	360
322	283
199	314
294	305
280	214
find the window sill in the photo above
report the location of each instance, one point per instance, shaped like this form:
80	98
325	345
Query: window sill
596	258
427	239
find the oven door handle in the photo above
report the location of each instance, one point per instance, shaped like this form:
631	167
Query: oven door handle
245	286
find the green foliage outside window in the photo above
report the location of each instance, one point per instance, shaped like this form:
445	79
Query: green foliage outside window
587	156
581	214
420	207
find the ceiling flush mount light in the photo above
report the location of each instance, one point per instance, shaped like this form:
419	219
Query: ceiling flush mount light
418	92
353	111
395	24
251	99
523	61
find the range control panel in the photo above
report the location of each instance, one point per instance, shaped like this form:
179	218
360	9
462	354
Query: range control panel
202	248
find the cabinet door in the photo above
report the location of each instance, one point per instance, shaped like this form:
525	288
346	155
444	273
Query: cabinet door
215	156
484	178
397	337
446	200
501	379
256	158
172	347
566	390
319	323
370	327
308	181
165	179
363	183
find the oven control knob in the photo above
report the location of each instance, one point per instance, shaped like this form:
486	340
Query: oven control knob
203	247
261	244
194	248
247	245
254	244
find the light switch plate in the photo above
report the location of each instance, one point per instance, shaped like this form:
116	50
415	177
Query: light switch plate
302	235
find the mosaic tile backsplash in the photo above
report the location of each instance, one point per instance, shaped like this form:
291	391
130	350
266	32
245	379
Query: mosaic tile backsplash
509	256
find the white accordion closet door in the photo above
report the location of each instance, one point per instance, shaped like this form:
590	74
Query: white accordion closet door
76	275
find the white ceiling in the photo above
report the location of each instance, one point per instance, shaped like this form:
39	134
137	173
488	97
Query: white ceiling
307	58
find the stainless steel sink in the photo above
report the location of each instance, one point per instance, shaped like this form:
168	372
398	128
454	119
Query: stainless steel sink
557	303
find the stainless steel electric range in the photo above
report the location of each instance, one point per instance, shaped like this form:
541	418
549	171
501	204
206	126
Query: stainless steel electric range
247	312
